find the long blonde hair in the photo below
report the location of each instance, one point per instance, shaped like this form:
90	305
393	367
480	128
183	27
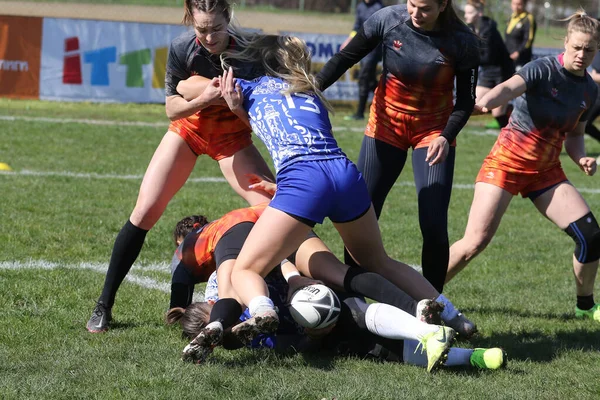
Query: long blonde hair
581	22
285	57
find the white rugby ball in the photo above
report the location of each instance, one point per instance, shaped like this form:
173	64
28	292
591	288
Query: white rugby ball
315	306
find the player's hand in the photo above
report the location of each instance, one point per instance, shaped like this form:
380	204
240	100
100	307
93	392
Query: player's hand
260	184
588	165
479	110
437	151
212	93
231	90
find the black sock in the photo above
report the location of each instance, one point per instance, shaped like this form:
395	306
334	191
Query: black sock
376	287
126	249
227	311
502	120
585	302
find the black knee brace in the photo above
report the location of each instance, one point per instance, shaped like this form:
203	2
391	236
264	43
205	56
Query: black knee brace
586	234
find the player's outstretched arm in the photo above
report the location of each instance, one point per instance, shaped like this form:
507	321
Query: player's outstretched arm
502	94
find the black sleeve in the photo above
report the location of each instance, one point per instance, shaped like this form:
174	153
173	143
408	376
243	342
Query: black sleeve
358	47
176	70
182	285
466	81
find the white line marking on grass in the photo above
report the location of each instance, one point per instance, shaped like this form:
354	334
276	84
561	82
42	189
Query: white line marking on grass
165	124
209	179
85	121
142	281
67	174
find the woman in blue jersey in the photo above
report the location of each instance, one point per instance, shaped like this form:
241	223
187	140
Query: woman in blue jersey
314	177
426	49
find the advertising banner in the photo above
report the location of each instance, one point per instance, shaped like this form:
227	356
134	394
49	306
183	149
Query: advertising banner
20	44
105	61
323	47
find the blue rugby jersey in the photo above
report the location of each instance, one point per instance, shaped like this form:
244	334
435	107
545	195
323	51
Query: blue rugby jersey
294	127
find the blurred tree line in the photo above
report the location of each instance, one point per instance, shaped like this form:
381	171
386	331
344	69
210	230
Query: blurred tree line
544	10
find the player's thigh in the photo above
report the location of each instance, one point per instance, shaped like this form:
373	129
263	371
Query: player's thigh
315	260
171	165
224	280
562	204
275	236
236	168
489	205
362	238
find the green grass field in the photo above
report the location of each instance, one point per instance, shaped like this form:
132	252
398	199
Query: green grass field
74	184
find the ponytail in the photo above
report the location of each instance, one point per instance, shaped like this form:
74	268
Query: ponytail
174	315
581	22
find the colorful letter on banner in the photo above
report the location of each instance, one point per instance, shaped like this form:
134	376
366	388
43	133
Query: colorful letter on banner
20	54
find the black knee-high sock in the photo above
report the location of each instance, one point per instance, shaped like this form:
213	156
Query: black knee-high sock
502	120
227	311
376	287
128	245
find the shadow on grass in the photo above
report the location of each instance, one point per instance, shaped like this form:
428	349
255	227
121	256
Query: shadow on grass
540	346
514	313
255	357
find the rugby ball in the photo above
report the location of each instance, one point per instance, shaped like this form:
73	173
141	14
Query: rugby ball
315	306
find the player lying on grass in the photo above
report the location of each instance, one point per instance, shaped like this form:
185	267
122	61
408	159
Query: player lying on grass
315	178
205	247
376	331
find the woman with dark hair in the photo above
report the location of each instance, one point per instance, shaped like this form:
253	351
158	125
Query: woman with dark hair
426	47
199	126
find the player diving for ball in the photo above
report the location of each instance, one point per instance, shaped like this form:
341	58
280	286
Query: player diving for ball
205	247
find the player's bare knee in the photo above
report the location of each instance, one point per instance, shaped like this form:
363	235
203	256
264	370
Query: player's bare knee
586	235
475	244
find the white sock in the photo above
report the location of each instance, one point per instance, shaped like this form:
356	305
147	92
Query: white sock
449	311
393	323
458	357
260	304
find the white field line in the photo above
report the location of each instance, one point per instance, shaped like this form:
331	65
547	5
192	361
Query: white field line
85	121
165	124
142	281
206	179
